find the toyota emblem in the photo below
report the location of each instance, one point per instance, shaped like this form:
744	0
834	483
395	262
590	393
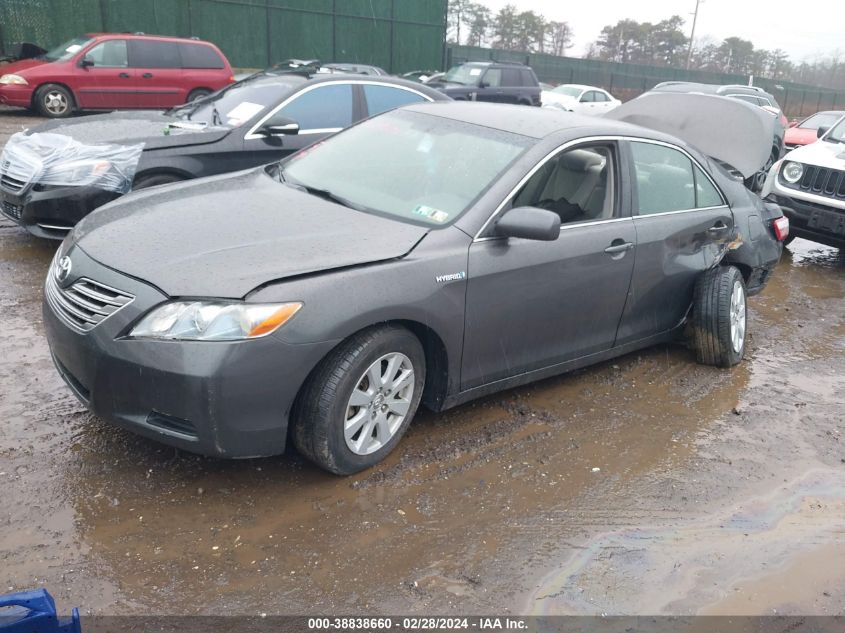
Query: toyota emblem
63	268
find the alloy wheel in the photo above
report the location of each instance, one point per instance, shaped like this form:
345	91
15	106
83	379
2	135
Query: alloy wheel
379	403
55	102
737	315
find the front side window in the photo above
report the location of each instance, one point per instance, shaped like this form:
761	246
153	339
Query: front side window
577	185
493	78
823	119
109	54
665	180
323	108
383	98
589	97
413	167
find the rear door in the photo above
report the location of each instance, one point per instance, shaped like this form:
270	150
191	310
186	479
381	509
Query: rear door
535	304
683	226
320	110
511	85
158	68
108	82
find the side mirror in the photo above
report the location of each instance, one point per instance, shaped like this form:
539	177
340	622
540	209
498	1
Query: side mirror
529	223
822	131
85	62
279	127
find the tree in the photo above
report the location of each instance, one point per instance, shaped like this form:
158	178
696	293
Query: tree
737	55
480	19
559	37
456	15
505	28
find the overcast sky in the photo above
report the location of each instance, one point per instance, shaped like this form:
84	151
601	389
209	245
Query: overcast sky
803	29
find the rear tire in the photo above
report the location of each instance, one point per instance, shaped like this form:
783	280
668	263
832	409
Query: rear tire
356	405
198	93
719	317
54	101
142	182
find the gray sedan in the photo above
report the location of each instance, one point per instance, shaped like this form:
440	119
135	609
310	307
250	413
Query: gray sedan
433	254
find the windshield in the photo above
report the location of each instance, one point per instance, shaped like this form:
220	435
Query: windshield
234	106
823	119
414	167
837	134
569	91
465	74
67	50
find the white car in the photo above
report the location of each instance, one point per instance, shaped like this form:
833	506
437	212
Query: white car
580	99
809	185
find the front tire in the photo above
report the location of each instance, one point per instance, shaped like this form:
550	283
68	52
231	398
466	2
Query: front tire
54	101
719	317
360	400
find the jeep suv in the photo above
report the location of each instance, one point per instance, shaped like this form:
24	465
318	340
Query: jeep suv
104	71
501	82
809	185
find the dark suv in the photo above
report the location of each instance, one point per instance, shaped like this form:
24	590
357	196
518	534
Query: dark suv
501	82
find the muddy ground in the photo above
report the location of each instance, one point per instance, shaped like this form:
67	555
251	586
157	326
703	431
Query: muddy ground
645	485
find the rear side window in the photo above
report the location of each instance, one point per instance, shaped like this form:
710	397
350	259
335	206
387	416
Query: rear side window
706	195
589	97
200	56
383	98
600	96
154	54
109	54
665	180
326	107
511	77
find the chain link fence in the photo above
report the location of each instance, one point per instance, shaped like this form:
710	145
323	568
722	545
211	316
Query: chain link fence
627	81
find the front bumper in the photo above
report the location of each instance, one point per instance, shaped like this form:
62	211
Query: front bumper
222	399
812	217
51	212
16	95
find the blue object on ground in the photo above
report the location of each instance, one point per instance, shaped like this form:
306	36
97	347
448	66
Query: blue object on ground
34	612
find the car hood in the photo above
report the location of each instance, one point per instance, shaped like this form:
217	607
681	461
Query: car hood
21	65
226	235
800	136
729	130
821	153
145	126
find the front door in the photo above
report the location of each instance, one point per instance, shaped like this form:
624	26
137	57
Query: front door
104	78
534	304
683	227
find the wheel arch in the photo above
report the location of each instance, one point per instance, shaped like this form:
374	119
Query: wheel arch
37	88
163	171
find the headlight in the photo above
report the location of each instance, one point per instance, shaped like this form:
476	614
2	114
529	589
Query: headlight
16	80
792	172
76	172
214	320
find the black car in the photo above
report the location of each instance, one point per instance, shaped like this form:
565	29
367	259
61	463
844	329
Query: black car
497	82
256	121
470	248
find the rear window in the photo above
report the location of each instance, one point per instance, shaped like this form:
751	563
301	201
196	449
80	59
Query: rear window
200	56
153	54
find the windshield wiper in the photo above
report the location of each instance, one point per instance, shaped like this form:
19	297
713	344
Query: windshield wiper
332	197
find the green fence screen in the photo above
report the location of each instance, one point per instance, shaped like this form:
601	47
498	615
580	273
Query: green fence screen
399	35
626	81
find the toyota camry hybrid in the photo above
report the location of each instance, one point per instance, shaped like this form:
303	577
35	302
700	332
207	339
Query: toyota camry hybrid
432	254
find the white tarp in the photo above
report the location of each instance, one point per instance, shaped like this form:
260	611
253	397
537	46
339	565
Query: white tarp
56	159
729	130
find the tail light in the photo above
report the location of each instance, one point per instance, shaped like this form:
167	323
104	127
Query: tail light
781	226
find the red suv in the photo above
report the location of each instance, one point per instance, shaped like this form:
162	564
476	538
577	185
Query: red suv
103	71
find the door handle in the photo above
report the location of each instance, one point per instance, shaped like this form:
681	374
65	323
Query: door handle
147	75
719	227
617	247
124	75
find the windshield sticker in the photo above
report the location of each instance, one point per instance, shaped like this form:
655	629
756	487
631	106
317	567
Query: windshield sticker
425	144
474	72
435	215
243	112
73	48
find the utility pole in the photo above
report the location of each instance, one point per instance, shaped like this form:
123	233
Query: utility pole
692	35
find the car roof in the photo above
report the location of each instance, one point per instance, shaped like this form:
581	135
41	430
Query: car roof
536	123
149	36
582	87
295	79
